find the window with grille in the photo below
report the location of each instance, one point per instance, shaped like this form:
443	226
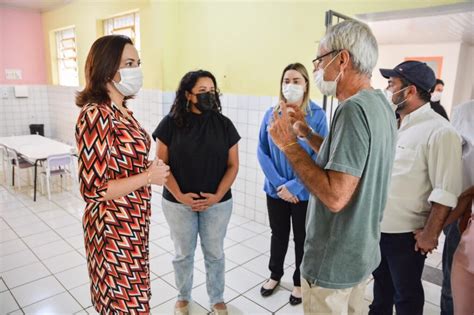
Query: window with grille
127	24
67	57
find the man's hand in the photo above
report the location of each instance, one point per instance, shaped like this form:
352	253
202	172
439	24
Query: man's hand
425	242
298	121
286	195
281	128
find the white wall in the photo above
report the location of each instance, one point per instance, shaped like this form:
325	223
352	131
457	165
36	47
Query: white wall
392	55
464	87
16	114
54	106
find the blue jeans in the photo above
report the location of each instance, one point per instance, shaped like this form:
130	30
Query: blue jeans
397	280
450	244
211	225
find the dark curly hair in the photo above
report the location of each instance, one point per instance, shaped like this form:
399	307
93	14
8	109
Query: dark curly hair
179	111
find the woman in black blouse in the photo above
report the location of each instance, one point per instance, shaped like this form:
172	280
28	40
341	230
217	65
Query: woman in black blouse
200	146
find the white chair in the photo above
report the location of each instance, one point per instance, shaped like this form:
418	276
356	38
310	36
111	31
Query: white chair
62	165
17	162
4	161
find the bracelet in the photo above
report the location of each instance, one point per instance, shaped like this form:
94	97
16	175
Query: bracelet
288	145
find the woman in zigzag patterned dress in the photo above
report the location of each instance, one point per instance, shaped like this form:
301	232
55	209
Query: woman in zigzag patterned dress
115	177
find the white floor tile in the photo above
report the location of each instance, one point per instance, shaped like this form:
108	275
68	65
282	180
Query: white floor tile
161	265
260	243
91	311
166	243
238	220
36	291
241	280
12	246
242	305
256	227
3	287
7	303
289	309
161	292
70	230
25	274
76	242
259	265
274	302
26	230
16	260
63	303
23	220
64	261
82	294
7	235
158	231
239	234
241	254
62	221
168	307
156	250
74	277
52	249
41	238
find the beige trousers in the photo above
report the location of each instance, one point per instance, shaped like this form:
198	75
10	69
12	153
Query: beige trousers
323	301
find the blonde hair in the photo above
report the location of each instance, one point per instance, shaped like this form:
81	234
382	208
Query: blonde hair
302	70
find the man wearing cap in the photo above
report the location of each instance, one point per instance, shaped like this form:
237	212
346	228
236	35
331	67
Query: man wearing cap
424	188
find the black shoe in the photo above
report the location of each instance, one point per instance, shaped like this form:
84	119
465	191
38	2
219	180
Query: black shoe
295	300
268	292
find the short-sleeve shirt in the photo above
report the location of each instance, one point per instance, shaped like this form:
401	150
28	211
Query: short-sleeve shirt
342	249
198	152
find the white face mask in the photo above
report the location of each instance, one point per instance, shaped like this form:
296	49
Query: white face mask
293	92
436	96
328	88
388	95
131	81
400	105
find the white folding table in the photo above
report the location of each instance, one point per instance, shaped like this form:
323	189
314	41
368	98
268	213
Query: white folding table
36	148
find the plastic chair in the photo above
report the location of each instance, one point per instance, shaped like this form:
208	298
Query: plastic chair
18	163
57	165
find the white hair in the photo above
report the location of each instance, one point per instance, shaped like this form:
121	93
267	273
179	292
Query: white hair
357	38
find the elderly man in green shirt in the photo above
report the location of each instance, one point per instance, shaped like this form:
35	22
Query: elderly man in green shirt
349	180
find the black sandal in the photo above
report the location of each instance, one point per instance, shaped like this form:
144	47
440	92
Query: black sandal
295	300
268	292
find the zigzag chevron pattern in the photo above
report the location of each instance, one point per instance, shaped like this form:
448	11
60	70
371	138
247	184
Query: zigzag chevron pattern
111	146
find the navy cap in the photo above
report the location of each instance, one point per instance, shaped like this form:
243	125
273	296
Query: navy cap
416	72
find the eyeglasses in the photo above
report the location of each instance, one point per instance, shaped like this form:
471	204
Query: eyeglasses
317	60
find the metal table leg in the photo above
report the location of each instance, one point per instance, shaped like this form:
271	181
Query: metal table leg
36	168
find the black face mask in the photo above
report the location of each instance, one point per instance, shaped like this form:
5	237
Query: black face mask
206	101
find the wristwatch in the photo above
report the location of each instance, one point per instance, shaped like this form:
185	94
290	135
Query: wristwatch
310	133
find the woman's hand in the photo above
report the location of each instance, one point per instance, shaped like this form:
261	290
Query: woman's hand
158	172
207	200
188	199
286	195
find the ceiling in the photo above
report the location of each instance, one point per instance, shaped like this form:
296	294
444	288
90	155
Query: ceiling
36	5
440	24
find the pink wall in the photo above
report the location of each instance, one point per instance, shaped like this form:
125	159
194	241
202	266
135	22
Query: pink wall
22	46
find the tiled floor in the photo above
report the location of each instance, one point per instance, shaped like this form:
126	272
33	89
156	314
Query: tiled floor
43	269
